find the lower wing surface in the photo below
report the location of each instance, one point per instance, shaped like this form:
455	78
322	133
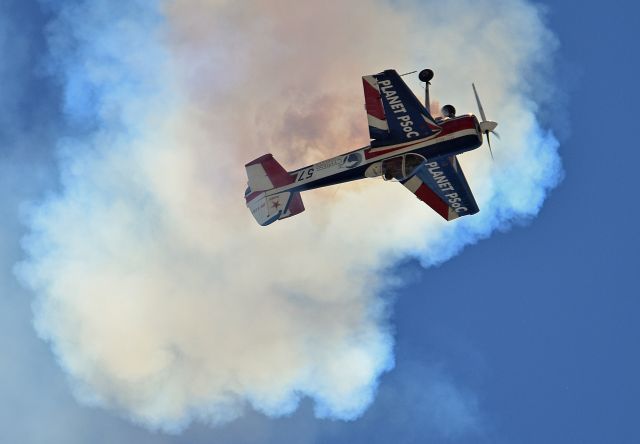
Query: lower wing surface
441	185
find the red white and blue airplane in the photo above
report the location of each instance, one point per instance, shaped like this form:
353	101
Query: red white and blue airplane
407	145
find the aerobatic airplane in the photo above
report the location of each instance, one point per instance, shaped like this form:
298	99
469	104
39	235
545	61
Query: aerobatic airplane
407	145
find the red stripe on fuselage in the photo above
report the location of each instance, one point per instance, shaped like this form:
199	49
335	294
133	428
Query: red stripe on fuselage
458	124
448	126
370	154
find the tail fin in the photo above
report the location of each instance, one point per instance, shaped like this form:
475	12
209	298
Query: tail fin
266	174
395	114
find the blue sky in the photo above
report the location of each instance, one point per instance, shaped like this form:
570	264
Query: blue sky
529	336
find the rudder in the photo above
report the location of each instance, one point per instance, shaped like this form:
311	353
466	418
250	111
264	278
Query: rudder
265	173
267	205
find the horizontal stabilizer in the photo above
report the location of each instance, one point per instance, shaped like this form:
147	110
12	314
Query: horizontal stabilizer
267	209
295	206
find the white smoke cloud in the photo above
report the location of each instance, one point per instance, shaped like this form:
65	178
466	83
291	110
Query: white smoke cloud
157	290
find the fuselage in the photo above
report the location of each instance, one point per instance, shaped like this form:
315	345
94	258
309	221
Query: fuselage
458	135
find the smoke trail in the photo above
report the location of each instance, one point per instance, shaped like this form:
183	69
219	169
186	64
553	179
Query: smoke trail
156	289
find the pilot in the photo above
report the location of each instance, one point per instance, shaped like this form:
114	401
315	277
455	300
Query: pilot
392	168
448	112
411	162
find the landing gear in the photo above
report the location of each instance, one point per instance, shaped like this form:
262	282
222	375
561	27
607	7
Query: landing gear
425	76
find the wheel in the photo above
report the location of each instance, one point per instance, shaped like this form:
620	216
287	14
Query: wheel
425	75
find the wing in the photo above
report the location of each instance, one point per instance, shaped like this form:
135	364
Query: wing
395	114
441	185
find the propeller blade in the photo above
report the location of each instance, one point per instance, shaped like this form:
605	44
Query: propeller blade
489	143
486	125
484	118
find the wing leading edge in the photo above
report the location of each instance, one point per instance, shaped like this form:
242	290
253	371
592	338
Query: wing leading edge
441	185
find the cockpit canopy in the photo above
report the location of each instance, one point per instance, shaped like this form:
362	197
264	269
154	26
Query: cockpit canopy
401	167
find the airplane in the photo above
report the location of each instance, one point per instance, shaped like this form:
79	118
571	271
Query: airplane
408	145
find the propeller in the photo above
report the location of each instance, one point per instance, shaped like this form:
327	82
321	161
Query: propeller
486	126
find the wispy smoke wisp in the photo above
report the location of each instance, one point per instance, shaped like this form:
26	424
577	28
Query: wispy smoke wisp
157	290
